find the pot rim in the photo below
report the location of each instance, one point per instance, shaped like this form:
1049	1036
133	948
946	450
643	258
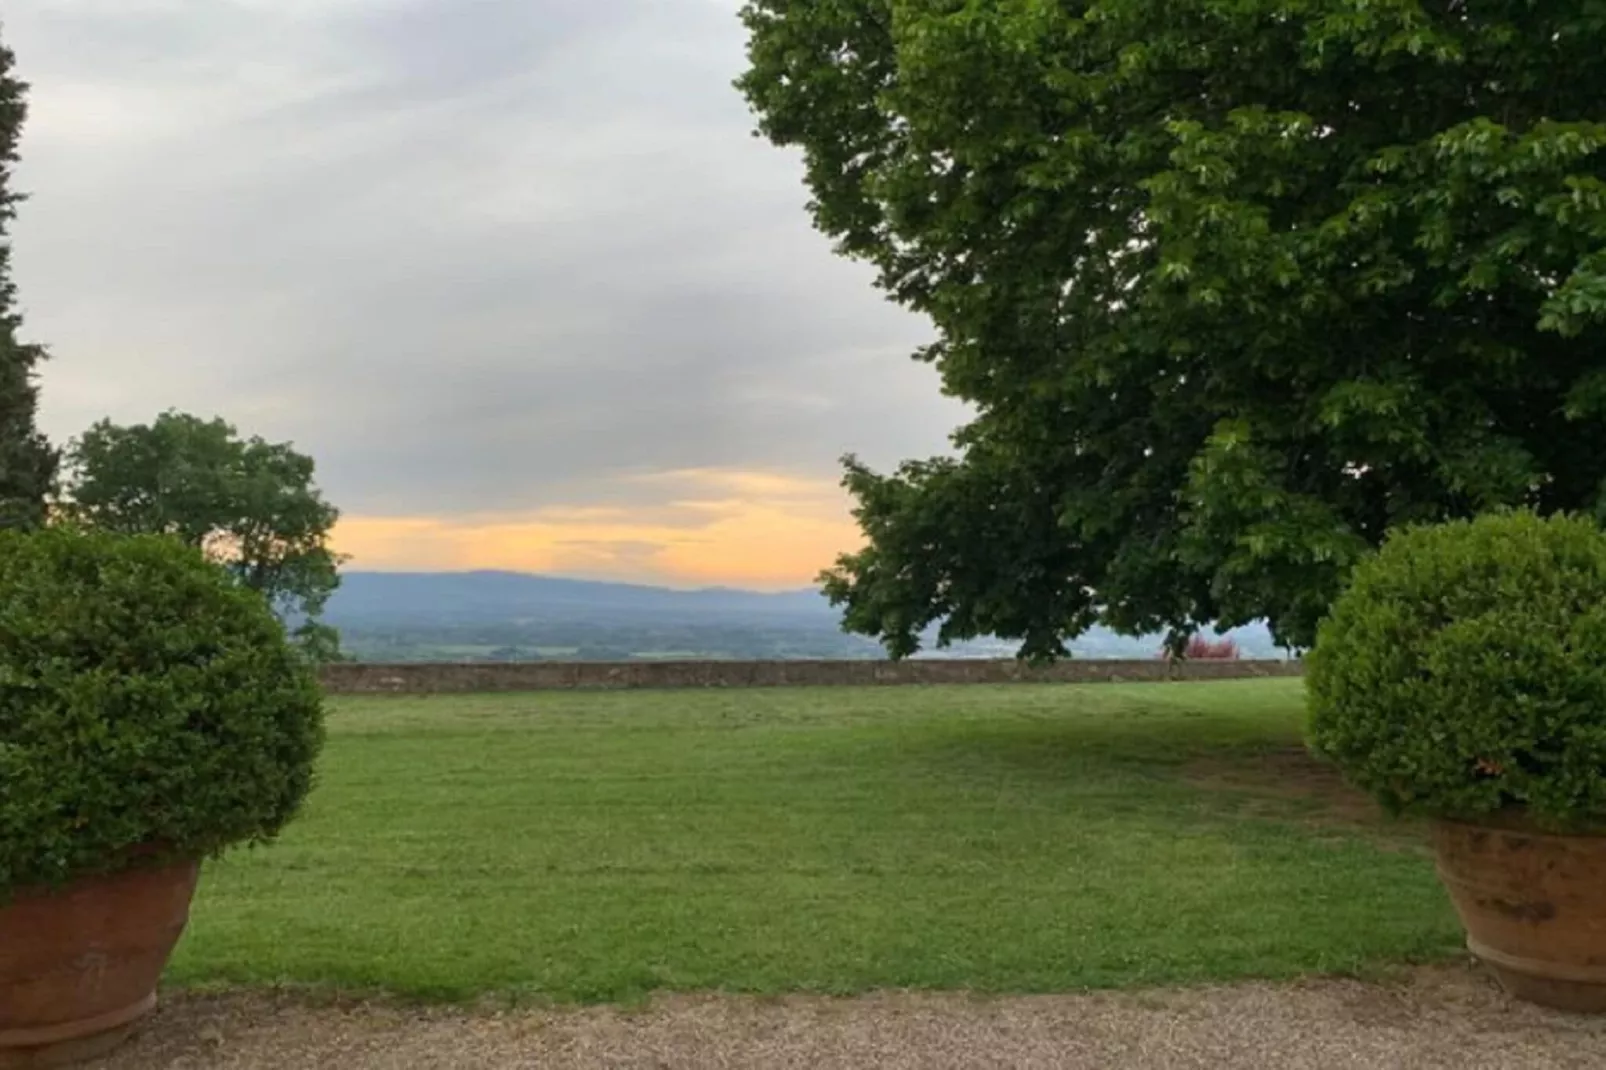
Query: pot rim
1515	819
144	856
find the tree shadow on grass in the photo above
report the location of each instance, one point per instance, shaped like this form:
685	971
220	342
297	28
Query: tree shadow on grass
1291	784
1117	743
1213	772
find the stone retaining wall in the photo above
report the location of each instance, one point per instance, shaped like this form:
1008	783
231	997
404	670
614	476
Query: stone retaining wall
441	678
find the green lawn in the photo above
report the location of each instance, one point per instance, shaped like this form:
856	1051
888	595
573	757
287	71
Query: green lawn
1025	838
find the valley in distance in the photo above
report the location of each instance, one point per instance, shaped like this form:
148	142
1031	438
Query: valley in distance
510	616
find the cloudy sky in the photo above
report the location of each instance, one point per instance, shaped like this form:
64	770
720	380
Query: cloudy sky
513	271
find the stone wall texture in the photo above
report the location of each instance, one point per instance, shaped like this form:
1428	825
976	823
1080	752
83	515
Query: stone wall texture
443	678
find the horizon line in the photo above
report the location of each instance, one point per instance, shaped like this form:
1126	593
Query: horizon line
606	582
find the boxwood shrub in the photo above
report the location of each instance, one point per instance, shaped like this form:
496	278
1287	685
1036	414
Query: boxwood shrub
1463	673
150	708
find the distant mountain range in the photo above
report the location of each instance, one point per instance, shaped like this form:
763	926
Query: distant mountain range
491	615
486	597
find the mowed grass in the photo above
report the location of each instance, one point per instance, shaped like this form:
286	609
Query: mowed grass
1014	839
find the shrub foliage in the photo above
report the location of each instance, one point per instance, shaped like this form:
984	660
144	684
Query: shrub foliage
146	701
1463	673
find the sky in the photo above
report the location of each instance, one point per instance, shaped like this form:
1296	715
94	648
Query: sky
514	272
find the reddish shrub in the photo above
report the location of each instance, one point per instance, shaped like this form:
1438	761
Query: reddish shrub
1223	649
1202	648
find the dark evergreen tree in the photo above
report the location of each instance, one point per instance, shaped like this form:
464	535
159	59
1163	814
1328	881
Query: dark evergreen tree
27	463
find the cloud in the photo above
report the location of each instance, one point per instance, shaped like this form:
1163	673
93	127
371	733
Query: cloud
699	527
476	257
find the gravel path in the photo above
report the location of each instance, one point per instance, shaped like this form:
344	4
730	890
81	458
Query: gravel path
1441	1018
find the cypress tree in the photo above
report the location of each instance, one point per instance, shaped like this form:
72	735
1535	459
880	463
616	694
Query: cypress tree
27	463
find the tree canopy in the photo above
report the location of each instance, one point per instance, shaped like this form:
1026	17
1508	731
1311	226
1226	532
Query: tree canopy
1234	287
249	504
27	463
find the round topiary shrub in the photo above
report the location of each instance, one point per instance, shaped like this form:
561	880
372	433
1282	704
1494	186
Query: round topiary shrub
1463	673
150	708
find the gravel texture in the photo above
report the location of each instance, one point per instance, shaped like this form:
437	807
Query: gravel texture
1449	1018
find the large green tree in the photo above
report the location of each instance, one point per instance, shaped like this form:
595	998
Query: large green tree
27	463
1234	287
250	504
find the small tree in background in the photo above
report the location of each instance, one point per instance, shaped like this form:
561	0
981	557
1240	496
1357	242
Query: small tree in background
27	463
247	503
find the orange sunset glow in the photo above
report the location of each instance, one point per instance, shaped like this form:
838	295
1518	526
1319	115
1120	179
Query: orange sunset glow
704	527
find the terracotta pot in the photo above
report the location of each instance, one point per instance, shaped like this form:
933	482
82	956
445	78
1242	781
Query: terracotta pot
1534	907
79	965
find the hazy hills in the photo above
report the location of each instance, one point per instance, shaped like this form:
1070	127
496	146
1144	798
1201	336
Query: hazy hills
396	616
484	597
